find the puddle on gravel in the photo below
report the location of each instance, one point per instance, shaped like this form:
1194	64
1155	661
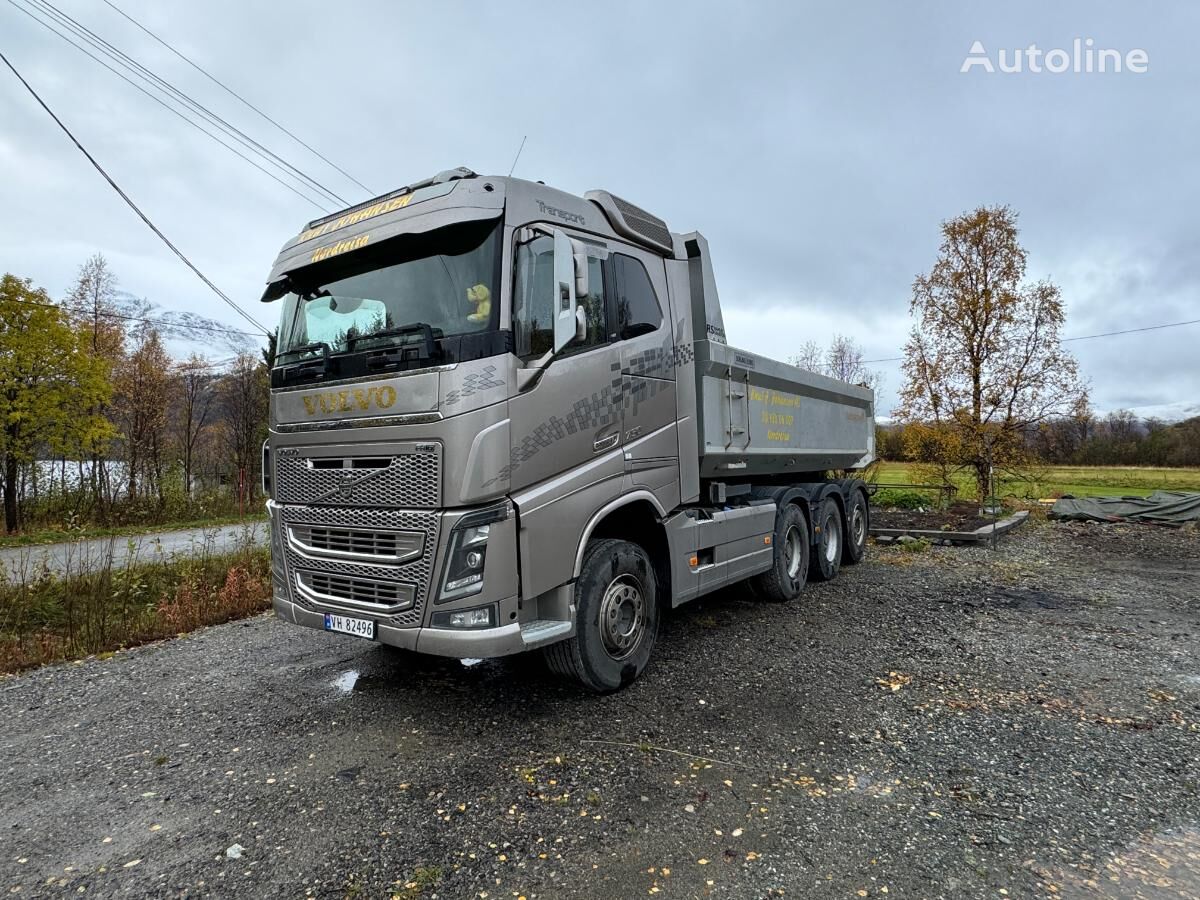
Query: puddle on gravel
1163	865
346	681
470	662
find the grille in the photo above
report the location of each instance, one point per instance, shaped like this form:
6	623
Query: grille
380	546
415	573
644	223
391	596
406	480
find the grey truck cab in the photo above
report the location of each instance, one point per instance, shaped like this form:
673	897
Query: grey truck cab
504	418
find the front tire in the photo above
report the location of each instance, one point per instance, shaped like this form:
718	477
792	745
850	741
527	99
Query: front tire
789	565
831	538
616	618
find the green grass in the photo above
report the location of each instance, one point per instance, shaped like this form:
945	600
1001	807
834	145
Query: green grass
55	535
1050	481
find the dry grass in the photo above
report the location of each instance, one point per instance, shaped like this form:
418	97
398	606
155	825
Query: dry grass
96	607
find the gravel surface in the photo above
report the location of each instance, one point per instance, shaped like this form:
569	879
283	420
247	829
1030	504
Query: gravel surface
952	723
23	563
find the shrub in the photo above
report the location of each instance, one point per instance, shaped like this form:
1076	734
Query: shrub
896	498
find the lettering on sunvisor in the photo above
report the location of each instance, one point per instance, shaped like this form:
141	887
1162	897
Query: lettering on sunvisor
340	247
367	212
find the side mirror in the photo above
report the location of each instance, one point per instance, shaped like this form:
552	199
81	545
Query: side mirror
581	269
580	323
565	302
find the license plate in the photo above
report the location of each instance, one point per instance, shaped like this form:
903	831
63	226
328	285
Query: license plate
363	628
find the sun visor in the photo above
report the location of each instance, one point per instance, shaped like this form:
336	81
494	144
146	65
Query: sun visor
368	233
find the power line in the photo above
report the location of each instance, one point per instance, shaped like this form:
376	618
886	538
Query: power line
171	109
1082	337
128	200
163	323
1088	337
162	84
234	93
123	59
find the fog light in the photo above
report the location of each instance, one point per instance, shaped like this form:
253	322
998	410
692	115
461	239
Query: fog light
480	617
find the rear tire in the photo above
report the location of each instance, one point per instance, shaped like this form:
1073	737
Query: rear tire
858	526
789	564
616	618
830	539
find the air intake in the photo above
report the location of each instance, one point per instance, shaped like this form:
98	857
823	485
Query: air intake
633	222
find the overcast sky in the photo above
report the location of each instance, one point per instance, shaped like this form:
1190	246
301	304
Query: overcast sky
817	146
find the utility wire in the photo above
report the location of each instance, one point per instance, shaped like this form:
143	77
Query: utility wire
163	323
128	200
161	84
234	93
172	109
1082	337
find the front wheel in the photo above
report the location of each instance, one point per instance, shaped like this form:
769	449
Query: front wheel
616	618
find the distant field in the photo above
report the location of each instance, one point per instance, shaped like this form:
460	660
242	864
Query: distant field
1109	481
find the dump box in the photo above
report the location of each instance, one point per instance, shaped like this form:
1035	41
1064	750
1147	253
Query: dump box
759	416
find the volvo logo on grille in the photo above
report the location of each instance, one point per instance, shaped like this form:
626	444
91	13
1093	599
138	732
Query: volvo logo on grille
346	485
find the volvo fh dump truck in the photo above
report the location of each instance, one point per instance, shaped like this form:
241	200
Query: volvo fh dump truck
505	418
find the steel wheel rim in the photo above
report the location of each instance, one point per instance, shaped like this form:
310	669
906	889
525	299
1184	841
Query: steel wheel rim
832	539
793	552
622	616
857	525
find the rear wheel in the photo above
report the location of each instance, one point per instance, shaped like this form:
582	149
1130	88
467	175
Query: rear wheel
857	527
789	565
616	618
830	540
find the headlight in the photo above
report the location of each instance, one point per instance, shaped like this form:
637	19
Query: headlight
464	564
466	558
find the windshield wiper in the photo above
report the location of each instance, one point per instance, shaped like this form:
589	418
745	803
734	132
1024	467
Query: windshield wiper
403	351
309	368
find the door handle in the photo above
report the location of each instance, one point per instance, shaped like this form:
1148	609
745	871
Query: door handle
605	443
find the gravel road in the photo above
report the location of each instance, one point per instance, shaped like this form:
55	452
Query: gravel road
952	723
70	556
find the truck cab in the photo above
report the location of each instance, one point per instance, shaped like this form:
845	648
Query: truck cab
487	398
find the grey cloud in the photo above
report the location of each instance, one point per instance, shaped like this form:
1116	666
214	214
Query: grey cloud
817	147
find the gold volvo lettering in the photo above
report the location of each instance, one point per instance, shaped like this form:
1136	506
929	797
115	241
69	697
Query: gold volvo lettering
350	400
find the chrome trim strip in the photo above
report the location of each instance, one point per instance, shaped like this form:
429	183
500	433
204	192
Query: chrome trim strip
375	559
341	603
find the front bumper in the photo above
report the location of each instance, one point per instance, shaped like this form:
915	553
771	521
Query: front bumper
503	640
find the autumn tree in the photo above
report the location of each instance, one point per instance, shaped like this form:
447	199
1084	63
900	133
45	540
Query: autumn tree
143	391
96	310
193	401
843	359
984	361
50	386
243	393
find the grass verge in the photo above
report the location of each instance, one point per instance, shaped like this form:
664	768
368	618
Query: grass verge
95	611
1053	481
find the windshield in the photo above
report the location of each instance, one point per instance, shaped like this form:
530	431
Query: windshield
445	281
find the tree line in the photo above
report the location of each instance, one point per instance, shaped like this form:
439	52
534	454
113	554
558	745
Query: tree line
1119	438
101	425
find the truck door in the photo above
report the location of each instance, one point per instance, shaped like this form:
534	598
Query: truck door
647	350
569	425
